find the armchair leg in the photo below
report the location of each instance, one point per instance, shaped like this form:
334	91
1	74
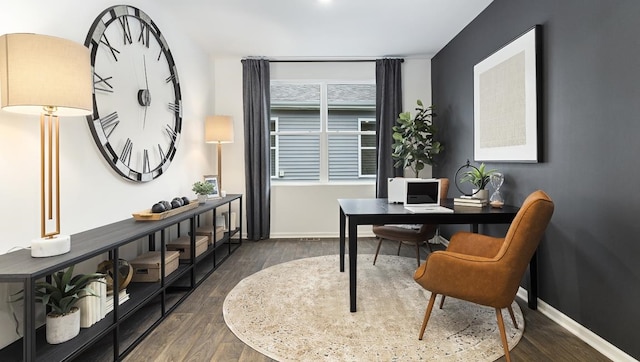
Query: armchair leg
442	301
418	254
513	317
427	314
503	335
399	245
377	251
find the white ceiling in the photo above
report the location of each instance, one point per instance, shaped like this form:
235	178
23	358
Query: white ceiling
298	29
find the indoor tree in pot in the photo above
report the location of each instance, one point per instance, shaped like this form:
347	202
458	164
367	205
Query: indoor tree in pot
479	177
202	189
63	321
413	143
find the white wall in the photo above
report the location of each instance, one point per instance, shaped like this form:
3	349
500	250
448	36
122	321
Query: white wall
91	193
304	210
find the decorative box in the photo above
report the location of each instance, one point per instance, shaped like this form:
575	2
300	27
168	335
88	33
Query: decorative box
208	232
146	267
183	245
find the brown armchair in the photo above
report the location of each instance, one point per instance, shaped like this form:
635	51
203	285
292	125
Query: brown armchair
409	236
487	270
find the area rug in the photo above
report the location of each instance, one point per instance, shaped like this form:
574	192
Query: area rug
299	311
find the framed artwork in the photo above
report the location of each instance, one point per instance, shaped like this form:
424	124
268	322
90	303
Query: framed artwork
506	102
213	179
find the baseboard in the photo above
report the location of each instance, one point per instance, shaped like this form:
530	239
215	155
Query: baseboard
601	345
308	235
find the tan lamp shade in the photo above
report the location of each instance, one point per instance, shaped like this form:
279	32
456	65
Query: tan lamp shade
219	129
39	71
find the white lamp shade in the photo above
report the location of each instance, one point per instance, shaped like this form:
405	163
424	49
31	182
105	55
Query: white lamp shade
219	129
39	71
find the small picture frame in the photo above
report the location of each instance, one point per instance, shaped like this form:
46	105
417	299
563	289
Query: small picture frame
213	179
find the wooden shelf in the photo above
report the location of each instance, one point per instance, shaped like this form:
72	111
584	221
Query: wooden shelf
149	303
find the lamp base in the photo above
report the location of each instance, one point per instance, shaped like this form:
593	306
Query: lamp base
56	245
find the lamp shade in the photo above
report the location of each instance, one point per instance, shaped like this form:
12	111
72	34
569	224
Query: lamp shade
219	129
39	71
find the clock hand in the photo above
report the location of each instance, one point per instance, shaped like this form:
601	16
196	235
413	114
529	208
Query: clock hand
144	96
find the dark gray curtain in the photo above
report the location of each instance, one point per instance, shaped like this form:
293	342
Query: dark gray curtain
388	107
256	104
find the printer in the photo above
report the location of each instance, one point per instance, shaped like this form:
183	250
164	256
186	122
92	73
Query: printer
396	189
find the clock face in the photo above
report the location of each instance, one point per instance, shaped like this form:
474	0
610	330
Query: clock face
137	117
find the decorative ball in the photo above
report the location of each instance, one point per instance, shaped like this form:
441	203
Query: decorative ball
175	204
185	200
179	200
167	205
125	273
158	208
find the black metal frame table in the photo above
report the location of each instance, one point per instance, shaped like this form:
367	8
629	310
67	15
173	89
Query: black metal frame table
379	211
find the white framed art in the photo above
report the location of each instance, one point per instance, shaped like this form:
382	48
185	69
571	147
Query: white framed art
506	100
213	179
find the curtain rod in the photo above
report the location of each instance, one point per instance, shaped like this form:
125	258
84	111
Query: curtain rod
326	60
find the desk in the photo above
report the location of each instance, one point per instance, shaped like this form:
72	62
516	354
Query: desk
379	211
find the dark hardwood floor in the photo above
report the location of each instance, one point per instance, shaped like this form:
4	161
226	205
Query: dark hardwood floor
196	331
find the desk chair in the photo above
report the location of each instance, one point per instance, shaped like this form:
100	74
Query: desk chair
403	234
487	270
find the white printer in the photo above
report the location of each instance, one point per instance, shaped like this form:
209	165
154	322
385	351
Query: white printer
396	189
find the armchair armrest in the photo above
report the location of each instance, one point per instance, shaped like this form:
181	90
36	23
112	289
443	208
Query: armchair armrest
475	244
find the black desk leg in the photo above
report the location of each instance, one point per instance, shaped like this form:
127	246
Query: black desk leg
353	257
532	295
342	226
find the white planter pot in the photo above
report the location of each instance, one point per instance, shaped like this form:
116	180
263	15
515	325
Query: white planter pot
481	194
63	328
202	199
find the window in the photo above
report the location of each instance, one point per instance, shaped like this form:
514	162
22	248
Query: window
323	131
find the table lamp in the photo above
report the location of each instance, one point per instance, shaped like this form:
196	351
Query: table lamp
49	76
219	129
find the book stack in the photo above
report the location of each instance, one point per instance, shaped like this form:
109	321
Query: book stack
122	297
469	201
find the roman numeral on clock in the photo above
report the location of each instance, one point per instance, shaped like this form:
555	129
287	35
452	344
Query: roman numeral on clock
144	34
102	84
146	167
126	30
171	132
125	156
109	123
104	40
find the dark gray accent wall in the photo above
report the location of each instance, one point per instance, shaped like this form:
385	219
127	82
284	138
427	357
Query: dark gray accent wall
588	260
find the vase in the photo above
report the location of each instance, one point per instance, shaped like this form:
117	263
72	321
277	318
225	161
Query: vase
61	328
202	199
481	194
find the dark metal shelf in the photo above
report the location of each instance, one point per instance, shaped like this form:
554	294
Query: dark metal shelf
149	303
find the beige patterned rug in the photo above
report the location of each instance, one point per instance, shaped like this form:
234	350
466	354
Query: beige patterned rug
299	311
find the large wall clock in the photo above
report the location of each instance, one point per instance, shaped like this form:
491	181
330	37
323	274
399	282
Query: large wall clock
137	116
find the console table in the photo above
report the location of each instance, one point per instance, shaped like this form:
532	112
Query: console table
380	211
149	303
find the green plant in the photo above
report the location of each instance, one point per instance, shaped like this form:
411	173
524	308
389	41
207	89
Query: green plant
65	291
413	143
479	177
202	188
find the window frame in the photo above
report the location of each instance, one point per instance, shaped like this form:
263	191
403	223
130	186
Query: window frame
324	134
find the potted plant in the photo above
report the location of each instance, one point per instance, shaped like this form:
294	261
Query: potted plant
413	143
63	321
479	177
202	189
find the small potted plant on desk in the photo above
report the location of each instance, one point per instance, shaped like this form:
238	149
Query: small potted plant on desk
202	189
479	177
63	321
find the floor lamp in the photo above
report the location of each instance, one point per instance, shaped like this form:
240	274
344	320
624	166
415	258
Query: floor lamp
219	129
49	76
